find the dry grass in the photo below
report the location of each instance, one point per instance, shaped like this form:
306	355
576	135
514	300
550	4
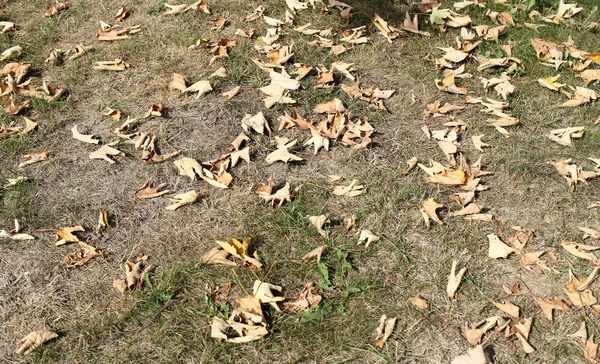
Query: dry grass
169	321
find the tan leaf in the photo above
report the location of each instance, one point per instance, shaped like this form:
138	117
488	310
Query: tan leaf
231	93
498	249
179	82
473	356
11	53
201	87
305	301
478	143
122	13
102	221
282	154
116	65
65	235
548	306
589	76
315	253
367	237
257	122
217	256
565	136
85	253
147	191
530	258
474	334
264	292
104	152
551	83
318	222
419	302
590	349
470	209
33	158
84	138
155	110
34	339
352	190
183	199
384	331
428	209
277	198
454	280
581	298
188	167
581	251
576	285
349	222
508	308
330	107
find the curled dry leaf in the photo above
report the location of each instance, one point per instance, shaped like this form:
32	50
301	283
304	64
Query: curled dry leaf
116	65
257	122
565	136
454	280
82	256
352	190
282	154
11	53
581	251
134	276
105	152
92	139
122	13
498	249
217	256
231	93
419	302
155	110
33	158
315	253
183	199
384	331
508	308
65	235
551	83
307	299
34	339
14	234
473	356
179	82
318	222
428	211
147	191
102	221
277	198
201	87
56	8
548	306
367	237
264	292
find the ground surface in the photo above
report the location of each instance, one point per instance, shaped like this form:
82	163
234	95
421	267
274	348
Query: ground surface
169	319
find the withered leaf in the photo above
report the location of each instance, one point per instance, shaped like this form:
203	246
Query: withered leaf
183	199
454	280
428	211
384	331
147	191
498	249
33	158
92	139
34	339
65	235
104	152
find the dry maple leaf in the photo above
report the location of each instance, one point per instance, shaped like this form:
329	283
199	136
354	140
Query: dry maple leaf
331	107
498	249
147	191
583	298
34	339
57	8
116	65
155	110
277	198
7	26
367	237
282	154
473	356
454	280
65	235
179	82
576	285
189	167
231	93
589	76
10	53
85	253
315	253
551	83
183	199
201	87
104	152
33	158
14	234
305	301
11	108
419	302
264	292
548	306
122	13
102	221
447	84
565	136
134	276
384	330
318	222
508	308
474	334
92	139
352	190
581	251
257	122
217	256
428	209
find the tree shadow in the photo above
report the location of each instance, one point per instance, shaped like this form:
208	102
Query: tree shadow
392	11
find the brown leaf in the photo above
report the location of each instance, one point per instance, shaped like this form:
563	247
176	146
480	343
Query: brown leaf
508	307
147	191
419	302
84	138
315	253
498	249
384	331
305	301
122	13
104	152
473	356
183	199
454	280
548	306
34	339
217	256
65	235
428	209
33	158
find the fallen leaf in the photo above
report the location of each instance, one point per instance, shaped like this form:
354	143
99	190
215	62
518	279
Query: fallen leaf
454	280
305	301
315	253
183	199
473	356
384	331
508	308
33	158
65	235
201	87
428	211
155	110
318	222
122	13
581	251
85	253
217	256
102	221
231	93
84	138
548	306
583	298
104	152
116	65
34	339
551	83
474	334
498	249
367	237
147	191
352	190
330	107
478	143
282	154
264	292
565	136
277	198
256	122
418	302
